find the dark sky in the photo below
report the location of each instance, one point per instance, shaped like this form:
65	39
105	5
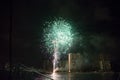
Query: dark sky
28	17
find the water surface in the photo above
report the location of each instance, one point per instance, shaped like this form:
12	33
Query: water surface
77	76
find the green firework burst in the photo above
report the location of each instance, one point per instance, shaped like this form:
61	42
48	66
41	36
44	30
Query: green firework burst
60	31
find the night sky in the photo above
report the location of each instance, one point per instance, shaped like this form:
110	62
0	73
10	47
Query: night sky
29	16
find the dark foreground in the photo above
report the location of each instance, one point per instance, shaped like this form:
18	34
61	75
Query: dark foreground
58	76
79	76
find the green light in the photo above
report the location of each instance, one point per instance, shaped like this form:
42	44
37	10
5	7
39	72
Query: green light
61	32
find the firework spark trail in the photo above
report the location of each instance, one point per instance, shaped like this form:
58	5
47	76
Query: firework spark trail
58	36
55	55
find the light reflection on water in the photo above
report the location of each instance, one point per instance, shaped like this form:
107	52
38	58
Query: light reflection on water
59	76
77	76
